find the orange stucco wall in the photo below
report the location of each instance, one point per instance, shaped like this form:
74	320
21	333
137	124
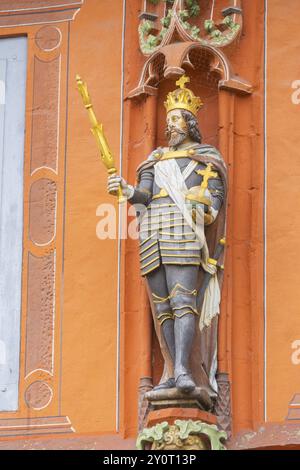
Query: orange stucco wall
87	290
283	216
89	325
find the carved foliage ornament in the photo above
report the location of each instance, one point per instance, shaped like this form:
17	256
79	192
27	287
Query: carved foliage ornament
182	435
186	19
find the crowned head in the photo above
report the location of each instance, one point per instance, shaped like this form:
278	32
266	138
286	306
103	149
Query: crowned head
183	98
182	107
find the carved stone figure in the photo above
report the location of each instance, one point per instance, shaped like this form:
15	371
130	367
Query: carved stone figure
181	200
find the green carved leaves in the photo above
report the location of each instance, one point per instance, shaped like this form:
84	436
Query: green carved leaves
156	433
193	7
159	435
216	35
190	427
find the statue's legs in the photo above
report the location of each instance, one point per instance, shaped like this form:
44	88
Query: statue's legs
160	296
182	286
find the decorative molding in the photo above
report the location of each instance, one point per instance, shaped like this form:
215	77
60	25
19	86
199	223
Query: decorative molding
38	395
143	406
30	12
42	217
43	255
41	313
45	113
48	38
268	436
44	169
294	409
70	442
171	414
223	403
35	426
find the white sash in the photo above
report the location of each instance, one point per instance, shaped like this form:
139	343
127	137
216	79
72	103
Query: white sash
168	175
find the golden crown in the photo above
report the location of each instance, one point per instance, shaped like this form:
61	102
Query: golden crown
183	98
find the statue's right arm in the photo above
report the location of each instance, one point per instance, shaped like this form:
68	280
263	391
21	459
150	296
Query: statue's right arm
140	194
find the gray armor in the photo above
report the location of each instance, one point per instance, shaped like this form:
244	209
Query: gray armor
165	236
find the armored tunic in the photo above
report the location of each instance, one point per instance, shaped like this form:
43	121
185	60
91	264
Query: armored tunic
165	235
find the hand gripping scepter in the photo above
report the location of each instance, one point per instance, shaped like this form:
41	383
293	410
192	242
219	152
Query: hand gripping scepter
97	130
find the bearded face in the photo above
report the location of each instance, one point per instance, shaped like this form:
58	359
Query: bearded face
176	130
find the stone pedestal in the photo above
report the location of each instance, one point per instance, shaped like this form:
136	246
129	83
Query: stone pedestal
171	397
172	414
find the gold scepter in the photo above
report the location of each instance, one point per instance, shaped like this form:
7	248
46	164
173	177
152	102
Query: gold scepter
97	130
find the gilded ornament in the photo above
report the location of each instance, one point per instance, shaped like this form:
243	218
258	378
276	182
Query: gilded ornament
183	98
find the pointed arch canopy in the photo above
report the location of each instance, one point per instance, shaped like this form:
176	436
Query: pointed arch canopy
170	61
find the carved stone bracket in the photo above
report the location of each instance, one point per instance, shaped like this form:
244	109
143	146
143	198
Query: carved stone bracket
170	61
182	435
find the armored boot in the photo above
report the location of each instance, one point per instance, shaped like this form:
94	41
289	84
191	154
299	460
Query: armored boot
165	318
184	334
183	302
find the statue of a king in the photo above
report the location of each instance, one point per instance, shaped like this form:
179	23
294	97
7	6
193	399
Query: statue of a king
181	199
